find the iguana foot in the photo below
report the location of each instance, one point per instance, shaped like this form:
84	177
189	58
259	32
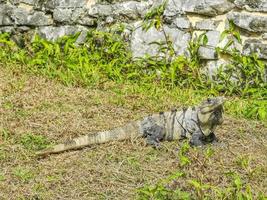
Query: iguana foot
196	140
211	138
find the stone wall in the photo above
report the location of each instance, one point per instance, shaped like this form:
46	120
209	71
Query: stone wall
182	20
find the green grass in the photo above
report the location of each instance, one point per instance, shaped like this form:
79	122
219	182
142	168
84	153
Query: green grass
33	142
23	174
104	58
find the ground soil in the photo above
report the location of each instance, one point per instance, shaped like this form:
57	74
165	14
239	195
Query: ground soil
33	104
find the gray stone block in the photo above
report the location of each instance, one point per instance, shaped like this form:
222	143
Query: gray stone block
181	22
100	10
7	29
5	11
30	2
255	46
211	68
52	33
249	22
179	39
39	19
20	16
68	3
126	9
144	42
208	52
202	7
143	7
252	5
207	24
62	15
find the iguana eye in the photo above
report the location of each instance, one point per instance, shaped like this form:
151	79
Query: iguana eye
208	100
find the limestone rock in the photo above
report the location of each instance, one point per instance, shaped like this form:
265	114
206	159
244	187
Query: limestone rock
62	15
179	39
264	36
255	46
144	42
7	29
202	7
252	5
30	2
99	10
39	19
182	23
207	24
234	45
87	21
143	7
67	3
208	52
249	22
4	14
52	33
211	68
79	14
126	9
21	16
141	41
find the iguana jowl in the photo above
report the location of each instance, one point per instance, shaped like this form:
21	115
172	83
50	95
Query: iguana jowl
196	123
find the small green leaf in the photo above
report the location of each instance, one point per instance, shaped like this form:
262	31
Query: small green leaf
262	111
205	39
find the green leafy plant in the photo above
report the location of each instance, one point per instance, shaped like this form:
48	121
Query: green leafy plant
161	191
154	17
106	57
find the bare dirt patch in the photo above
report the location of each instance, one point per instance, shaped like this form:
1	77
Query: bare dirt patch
31	104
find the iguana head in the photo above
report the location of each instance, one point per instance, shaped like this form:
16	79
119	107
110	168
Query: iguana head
210	114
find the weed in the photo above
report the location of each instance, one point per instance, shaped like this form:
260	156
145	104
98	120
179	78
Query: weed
161	191
33	142
2	177
154	17
2	154
199	187
184	159
4	135
23	174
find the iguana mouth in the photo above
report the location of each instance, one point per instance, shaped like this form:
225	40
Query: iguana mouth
211	104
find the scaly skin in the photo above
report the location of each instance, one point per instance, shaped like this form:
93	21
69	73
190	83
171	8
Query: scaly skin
196	123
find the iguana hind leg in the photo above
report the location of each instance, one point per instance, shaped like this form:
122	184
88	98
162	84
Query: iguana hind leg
153	133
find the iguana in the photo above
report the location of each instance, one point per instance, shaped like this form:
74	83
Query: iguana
196	123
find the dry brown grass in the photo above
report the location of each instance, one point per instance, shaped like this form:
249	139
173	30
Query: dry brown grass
114	170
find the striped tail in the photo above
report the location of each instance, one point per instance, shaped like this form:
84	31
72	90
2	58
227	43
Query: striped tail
131	130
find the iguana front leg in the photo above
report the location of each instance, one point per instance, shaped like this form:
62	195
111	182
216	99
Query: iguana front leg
198	139
211	138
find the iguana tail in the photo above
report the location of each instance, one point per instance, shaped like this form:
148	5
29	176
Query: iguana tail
130	130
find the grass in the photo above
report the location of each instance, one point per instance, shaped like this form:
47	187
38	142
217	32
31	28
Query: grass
105	62
118	170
